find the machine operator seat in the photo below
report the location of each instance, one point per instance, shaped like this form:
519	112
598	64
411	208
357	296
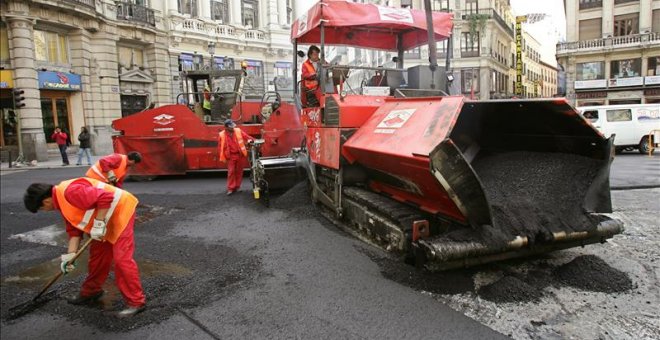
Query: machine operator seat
222	105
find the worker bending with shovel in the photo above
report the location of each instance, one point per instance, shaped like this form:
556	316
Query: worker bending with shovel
107	214
113	169
232	150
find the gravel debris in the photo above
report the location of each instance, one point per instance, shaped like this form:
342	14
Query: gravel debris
510	289
591	273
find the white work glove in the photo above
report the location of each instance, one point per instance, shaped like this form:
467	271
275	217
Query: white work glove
112	178
98	230
67	266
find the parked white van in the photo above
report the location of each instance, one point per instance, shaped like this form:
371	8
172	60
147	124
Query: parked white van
632	124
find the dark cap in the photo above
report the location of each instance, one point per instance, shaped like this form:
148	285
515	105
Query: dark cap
230	123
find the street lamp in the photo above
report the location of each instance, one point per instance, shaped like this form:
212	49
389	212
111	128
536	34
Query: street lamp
211	48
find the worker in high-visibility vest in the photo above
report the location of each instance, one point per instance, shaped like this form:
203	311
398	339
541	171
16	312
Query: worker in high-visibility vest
113	169
233	152
206	104
310	78
107	214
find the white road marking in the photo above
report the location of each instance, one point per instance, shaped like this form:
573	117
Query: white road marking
53	235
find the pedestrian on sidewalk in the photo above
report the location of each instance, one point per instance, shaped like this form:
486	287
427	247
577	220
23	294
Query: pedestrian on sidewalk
232	151
113	169
85	145
61	139
107	214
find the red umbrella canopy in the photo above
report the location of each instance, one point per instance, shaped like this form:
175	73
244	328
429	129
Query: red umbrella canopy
368	26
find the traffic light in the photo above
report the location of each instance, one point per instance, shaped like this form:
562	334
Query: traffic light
18	99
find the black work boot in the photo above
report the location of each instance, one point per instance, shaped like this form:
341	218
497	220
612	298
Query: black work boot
83	300
129	312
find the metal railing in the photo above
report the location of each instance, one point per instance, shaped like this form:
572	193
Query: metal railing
635	40
491	13
135	13
88	3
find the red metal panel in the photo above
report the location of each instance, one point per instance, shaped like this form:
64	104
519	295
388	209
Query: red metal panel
323	146
357	109
397	141
160	155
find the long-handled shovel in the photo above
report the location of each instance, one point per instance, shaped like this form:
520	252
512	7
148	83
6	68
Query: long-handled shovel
20	310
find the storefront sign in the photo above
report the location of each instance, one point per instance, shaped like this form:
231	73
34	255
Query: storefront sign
632	81
652	80
6	79
282	64
49	80
591	95
590	84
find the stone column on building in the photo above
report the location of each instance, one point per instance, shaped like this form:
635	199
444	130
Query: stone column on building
272	17
645	16
105	87
25	74
608	18
205	10
172	6
235	8
159	64
81	55
281	9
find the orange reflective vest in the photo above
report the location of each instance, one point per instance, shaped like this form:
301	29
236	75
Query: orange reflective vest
308	70
119	214
223	142
95	171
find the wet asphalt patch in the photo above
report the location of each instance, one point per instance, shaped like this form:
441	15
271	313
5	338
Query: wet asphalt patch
177	273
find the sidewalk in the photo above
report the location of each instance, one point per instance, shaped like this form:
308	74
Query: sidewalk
54	162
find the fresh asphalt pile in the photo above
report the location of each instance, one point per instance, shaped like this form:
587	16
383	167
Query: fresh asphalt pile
535	194
592	273
193	281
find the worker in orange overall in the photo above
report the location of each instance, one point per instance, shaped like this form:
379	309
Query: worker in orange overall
107	214
232	150
310	78
113	168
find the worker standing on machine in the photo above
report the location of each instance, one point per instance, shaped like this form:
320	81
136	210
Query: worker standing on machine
107	214
232	150
310	77
206	104
112	169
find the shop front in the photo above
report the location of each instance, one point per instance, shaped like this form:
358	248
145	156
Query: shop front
60	93
8	121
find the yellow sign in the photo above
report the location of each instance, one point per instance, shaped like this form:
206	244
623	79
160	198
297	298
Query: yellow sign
6	79
519	64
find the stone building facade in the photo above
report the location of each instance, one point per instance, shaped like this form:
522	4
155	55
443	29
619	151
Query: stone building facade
612	52
88	62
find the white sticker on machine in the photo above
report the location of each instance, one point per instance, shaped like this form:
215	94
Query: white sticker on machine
395	119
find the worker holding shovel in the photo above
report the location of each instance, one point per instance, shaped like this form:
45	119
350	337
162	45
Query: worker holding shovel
107	214
113	169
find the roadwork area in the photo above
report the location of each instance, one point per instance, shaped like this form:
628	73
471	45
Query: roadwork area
608	291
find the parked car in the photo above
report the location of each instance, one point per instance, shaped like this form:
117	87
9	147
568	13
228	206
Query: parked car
633	125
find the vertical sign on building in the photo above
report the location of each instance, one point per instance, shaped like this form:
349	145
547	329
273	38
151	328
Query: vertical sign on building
519	63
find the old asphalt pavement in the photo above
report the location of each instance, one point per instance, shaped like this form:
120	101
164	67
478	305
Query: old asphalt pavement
226	267
217	267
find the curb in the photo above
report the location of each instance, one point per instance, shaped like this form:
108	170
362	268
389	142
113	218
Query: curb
44	167
634	187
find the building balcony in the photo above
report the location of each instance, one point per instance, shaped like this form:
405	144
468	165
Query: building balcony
224	31
88	3
490	13
599	45
590	4
255	35
135	13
